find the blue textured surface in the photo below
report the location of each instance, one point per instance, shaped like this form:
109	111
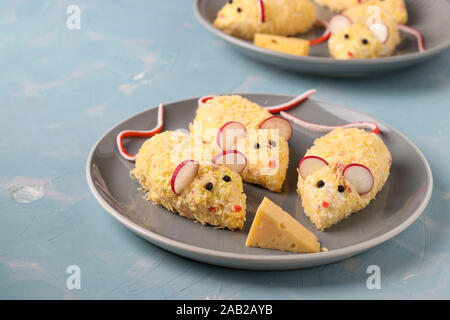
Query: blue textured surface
62	89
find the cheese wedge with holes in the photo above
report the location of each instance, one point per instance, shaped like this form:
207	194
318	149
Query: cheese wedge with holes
295	46
273	228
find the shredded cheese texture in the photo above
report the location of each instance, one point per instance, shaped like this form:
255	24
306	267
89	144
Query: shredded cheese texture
340	148
224	205
242	18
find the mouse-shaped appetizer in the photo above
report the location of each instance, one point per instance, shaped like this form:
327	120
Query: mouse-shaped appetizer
251	129
396	7
357	37
341	173
207	192
245	18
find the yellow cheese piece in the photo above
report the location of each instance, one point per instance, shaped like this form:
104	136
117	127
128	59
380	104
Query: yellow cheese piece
273	228
295	46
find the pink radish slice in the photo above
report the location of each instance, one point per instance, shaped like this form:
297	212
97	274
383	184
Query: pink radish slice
277	122
229	133
380	31
139	134
291	103
359	176
183	175
415	33
339	22
324	128
310	164
233	159
202	100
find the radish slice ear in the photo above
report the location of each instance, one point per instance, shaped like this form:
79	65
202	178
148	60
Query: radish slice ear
229	133
339	22
183	175
380	31
359	176
277	122
233	159
310	164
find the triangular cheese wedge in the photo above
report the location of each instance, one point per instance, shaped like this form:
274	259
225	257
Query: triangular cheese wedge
273	228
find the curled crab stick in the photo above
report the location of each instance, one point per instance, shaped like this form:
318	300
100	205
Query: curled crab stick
324	128
416	34
139	134
276	108
324	37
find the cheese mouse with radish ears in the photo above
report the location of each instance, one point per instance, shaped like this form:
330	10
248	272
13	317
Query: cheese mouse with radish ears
363	32
245	18
251	129
341	173
208	191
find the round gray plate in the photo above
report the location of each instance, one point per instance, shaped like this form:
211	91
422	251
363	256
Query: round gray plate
429	17
399	204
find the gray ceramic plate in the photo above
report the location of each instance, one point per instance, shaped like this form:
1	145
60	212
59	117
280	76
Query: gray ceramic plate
429	17
399	204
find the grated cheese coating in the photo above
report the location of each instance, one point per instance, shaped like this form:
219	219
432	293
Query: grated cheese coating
224	206
349	43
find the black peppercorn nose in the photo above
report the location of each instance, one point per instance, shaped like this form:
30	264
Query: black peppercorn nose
226	178
209	186
341	189
320	184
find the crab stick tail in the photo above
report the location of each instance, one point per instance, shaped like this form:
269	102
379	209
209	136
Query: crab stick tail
324	37
415	33
202	100
324	128
139	134
291	103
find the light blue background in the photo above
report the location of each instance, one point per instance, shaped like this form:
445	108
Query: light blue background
62	89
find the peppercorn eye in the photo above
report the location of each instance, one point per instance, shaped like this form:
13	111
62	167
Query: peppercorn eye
272	143
209	186
365	41
257	145
346	36
239	10
230	1
341	189
320	184
226	178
